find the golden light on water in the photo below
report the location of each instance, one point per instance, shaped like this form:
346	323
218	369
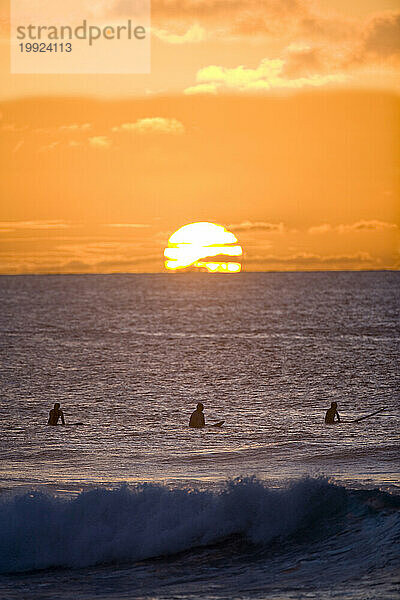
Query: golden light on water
204	247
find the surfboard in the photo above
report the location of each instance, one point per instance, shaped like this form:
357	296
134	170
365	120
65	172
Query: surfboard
218	424
370	415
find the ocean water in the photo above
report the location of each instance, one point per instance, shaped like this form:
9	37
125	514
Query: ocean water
131	503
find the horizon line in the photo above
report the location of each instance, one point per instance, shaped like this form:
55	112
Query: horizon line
169	273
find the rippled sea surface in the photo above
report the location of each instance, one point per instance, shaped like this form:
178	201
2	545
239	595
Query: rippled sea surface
132	503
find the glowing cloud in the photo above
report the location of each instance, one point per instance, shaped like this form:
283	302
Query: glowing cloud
268	75
152	125
100	141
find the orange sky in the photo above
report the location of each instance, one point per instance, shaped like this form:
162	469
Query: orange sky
278	120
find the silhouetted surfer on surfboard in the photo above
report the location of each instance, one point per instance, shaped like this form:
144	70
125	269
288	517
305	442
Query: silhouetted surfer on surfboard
331	413
55	414
197	419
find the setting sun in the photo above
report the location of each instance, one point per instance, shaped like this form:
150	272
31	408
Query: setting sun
204	247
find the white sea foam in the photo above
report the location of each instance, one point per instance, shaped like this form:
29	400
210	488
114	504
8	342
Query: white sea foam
129	524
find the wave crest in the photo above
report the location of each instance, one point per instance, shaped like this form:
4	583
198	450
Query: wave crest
129	524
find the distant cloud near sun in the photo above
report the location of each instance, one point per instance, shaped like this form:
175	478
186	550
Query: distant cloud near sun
129	225
257	225
308	261
32	225
360	226
152	125
100	141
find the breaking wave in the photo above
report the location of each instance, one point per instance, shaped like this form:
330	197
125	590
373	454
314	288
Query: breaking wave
103	526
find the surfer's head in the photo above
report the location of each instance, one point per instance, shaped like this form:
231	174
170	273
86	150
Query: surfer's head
57	405
200	406
333	404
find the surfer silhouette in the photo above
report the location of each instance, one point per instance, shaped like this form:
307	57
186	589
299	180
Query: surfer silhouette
197	417
331	413
55	414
